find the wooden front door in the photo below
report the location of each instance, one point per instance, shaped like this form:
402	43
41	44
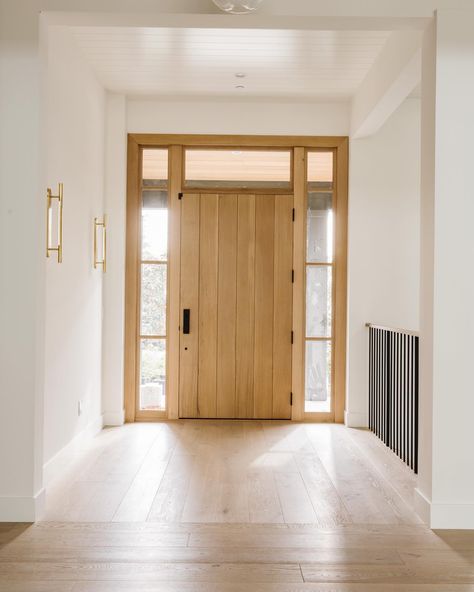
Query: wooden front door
236	306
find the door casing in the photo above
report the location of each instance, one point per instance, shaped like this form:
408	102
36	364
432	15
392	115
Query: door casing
176	145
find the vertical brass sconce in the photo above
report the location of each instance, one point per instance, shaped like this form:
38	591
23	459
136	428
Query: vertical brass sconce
49	222
97	224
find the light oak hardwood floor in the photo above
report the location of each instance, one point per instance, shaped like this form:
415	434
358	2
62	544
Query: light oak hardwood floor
233	506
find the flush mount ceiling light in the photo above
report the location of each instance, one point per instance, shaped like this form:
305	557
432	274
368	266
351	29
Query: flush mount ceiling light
238	6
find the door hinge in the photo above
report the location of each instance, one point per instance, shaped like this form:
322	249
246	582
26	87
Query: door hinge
291	399
293	215
292	338
180	195
292	276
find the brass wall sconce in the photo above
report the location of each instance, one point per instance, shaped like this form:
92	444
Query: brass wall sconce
49	222
100	224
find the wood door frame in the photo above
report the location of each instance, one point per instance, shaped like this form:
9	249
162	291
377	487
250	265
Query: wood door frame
176	143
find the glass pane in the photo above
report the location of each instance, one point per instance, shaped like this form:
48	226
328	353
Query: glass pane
319	233
318	376
155	167
152	374
320	167
154	225
238	168
153	299
318	301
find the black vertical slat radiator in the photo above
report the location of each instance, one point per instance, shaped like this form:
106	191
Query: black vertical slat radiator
393	390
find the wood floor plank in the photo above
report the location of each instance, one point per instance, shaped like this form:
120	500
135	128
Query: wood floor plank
147	554
136	504
174	572
264	503
171	495
403	574
366	495
260	587
294	499
328	505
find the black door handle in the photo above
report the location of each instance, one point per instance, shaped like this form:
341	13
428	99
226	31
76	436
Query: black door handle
186	320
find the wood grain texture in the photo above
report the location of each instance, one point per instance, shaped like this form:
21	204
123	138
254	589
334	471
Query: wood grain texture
132	277
208	274
189	298
264	292
299	257
245	312
282	307
226	306
267	506
238	140
340	271
174	275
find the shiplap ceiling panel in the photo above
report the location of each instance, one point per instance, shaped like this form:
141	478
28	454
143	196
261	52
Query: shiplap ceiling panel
204	62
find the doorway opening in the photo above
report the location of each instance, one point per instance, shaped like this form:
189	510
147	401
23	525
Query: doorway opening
236	277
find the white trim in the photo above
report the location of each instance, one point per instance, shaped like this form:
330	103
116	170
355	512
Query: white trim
422	506
22	509
314	20
452	516
440	515
55	466
113	418
354	419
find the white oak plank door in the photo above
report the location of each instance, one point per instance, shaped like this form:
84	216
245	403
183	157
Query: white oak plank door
236	306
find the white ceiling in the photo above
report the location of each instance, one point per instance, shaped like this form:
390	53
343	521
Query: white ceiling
203	62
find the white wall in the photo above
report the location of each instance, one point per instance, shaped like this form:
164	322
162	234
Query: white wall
384	202
114	279
73	137
237	117
21	286
448	280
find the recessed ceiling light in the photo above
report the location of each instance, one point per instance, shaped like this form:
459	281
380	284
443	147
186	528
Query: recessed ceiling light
239	86
237	6
240	75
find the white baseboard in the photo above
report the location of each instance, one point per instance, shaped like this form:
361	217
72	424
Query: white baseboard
55	465
422	506
440	516
355	419
22	509
113	418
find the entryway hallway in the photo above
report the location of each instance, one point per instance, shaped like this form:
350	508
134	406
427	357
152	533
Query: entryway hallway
230	506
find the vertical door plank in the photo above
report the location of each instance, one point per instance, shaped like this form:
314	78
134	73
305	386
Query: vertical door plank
226	306
189	353
208	306
264	269
245	330
282	309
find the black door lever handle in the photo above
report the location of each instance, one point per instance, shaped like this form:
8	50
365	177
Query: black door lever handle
186	320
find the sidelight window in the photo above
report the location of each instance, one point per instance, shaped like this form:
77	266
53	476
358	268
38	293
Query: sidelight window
319	282
153	280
